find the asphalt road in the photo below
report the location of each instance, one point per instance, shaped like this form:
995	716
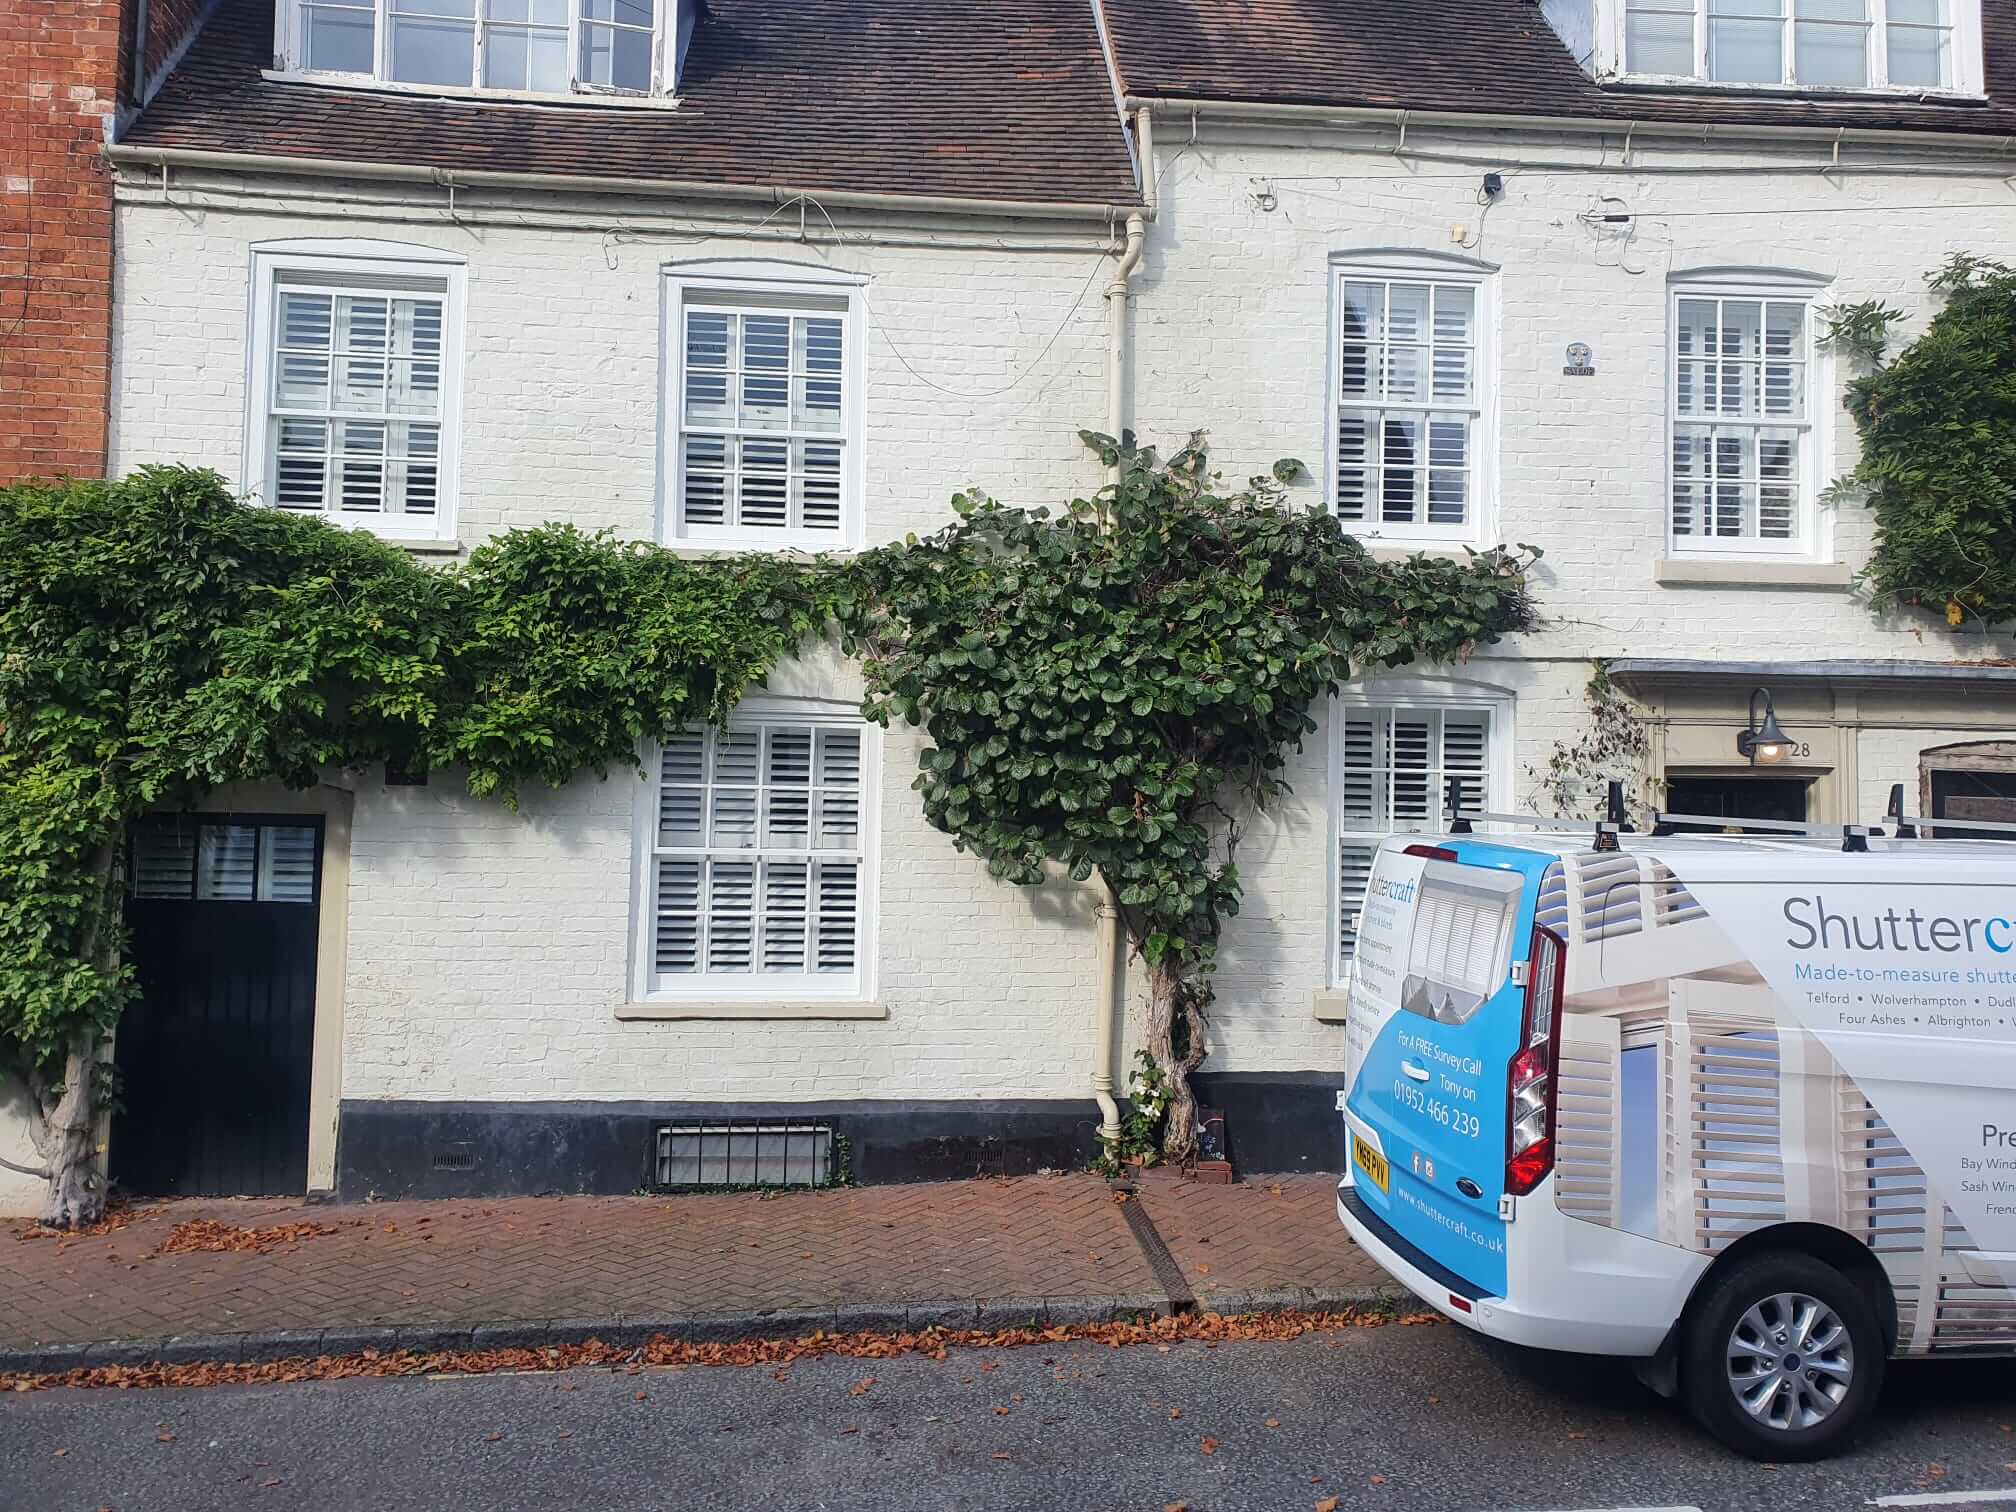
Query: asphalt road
1388	1418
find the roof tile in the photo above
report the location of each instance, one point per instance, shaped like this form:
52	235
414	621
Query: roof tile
1482	56
1006	101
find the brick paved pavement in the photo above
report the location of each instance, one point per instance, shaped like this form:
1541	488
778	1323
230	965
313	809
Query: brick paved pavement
461	1263
1264	1234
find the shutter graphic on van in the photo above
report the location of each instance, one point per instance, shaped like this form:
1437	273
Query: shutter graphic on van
1461	946
1588	1122
1390	767
1696	1108
1736	1147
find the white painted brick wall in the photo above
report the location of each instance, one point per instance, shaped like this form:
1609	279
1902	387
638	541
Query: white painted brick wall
1232	328
488	950
1232	322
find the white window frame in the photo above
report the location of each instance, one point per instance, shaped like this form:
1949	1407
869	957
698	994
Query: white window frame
376	265
1814	538
761	288
1392	265
752	993
1963	16
1408	695
290	57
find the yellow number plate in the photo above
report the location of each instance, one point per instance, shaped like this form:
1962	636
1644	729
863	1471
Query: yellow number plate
1370	1161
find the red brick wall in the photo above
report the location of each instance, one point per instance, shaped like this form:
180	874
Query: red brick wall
59	78
168	22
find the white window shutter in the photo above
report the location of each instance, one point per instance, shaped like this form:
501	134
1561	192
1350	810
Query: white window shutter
1390	776
164	861
757	872
762	422
356	418
227	862
1409	405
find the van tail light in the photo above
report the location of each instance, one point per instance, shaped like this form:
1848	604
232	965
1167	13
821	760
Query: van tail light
1432	852
1531	1083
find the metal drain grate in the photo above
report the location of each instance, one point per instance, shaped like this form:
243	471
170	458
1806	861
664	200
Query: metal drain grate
699	1155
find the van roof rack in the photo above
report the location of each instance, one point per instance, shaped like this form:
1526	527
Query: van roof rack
1854	837
1463	821
1908	825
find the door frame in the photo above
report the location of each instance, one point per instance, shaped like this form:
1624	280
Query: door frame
335	807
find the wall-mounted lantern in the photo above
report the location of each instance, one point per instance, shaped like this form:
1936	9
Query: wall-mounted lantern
1763	742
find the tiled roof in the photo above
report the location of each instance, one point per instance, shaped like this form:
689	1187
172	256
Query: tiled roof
1009	100
1486	56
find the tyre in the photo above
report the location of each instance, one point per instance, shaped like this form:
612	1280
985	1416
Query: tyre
1782	1358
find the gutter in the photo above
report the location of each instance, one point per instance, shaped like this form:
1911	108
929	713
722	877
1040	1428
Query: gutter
478	178
1695	131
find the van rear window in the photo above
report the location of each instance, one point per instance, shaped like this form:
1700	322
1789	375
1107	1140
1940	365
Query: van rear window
1462	944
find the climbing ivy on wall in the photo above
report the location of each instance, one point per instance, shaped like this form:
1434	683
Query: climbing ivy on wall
1106	689
1573	782
1110	688
159	639
1938	467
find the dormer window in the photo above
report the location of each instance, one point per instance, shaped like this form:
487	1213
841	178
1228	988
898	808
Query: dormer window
1894	45
542	47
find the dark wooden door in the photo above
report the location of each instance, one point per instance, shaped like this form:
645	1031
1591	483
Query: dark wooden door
214	1059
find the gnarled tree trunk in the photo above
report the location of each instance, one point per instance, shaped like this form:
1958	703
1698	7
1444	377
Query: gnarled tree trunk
68	1111
68	1144
1174	1005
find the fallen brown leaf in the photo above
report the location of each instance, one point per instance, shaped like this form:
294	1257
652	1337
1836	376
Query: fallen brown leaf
1203	1270
164	1438
676	1354
1328	1504
1175	1413
1000	1454
1000	1412
860	1387
207	1236
1207	1445
1376	1480
1273	1422
493	1438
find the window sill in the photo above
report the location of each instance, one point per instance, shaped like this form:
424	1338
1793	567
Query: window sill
1384	550
753	1008
1332	1004
368	84
701	551
1829	94
1722	572
425	546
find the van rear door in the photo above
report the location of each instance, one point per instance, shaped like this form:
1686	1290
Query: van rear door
1436	1018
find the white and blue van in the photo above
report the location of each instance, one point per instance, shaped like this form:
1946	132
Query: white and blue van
1742	1110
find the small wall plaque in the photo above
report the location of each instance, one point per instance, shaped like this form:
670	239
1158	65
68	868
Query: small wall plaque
1581	360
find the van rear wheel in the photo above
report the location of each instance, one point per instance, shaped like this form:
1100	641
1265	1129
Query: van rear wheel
1783	1358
